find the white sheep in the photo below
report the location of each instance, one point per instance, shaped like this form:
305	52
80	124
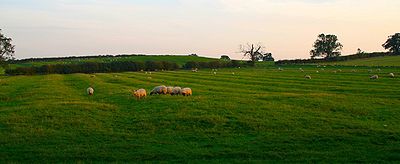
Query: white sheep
391	75
176	91
169	90
90	91
374	77
140	93
307	77
186	92
159	90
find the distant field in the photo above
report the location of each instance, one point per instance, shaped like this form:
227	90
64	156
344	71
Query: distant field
375	61
254	115
177	59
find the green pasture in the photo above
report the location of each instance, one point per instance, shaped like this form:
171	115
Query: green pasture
256	114
374	61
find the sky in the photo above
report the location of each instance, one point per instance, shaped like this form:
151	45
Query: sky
287	28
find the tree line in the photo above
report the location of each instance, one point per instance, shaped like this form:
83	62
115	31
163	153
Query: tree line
118	66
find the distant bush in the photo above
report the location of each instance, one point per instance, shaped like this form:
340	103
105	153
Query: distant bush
225	57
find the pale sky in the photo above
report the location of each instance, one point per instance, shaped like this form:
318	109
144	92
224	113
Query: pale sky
288	28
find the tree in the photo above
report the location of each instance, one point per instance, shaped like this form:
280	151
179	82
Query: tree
6	49
326	46
359	51
225	57
254	52
268	57
393	43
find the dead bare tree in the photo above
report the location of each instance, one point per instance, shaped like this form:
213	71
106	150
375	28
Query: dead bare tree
253	51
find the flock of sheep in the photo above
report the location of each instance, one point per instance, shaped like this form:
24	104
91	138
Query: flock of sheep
391	75
164	90
160	90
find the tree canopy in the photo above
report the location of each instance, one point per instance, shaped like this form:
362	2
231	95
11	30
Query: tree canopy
225	57
393	43
6	48
326	46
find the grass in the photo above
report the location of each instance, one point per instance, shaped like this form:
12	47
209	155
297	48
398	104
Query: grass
256	115
177	59
374	61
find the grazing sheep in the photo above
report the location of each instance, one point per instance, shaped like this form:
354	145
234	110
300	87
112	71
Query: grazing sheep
90	91
159	90
233	73
317	71
280	69
176	91
215	73
92	76
186	92
378	69
374	77
169	90
307	77
140	93
391	75
339	70
301	69
195	70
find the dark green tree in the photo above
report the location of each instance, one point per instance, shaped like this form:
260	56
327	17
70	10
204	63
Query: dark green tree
268	57
6	49
326	46
225	57
393	43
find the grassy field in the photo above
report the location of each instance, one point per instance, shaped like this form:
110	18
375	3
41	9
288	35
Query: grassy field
255	115
176	59
375	61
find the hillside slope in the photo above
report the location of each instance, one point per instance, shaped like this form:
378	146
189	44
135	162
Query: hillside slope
73	60
374	61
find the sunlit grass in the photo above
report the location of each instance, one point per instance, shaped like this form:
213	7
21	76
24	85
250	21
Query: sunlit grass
254	115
